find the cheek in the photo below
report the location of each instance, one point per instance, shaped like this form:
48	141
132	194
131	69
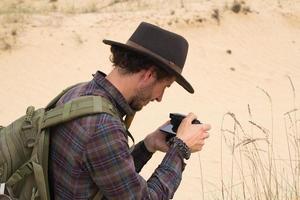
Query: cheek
159	91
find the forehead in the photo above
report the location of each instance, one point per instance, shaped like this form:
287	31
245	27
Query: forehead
168	81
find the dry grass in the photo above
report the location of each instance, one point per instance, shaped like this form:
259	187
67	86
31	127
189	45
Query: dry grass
16	14
255	171
12	20
11	26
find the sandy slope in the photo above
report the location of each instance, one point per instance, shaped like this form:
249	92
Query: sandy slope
227	61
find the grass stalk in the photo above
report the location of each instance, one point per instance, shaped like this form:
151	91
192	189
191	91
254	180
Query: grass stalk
201	173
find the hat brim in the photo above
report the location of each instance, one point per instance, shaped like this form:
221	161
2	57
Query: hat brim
160	62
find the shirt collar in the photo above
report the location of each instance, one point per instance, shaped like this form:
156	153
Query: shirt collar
113	93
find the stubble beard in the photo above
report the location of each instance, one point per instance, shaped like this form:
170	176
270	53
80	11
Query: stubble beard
142	98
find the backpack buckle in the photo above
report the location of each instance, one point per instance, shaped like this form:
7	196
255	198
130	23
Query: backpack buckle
28	134
28	118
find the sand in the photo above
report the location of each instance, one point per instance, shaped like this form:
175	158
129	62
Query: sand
237	61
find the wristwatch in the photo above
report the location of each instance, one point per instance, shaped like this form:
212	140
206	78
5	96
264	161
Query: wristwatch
181	147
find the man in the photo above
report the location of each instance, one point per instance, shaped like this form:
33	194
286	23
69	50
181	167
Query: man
90	156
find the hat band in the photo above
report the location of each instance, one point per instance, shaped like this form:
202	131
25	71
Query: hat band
165	61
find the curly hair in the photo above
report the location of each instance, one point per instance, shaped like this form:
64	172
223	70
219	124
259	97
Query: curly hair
132	62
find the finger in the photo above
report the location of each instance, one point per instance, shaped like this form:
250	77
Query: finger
200	145
205	127
197	148
190	117
205	135
165	148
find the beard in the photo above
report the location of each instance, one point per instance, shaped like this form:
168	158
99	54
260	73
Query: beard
142	98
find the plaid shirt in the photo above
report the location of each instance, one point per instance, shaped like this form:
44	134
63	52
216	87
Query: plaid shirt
91	153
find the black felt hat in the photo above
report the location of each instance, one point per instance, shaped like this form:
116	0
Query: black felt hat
167	49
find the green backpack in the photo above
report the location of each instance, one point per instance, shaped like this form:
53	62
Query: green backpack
24	144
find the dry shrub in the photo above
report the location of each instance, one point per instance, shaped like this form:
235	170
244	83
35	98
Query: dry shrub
8	40
10	28
216	15
240	7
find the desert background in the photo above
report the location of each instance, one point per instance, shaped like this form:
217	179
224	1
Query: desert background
243	61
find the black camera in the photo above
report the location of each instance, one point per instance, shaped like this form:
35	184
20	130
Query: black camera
171	129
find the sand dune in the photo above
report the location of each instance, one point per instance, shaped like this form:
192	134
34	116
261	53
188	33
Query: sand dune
236	59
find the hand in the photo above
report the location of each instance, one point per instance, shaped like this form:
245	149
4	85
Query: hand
156	141
193	135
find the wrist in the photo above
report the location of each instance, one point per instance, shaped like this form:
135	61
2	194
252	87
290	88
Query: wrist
144	148
149	144
181	147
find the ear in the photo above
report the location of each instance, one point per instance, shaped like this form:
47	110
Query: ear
148	76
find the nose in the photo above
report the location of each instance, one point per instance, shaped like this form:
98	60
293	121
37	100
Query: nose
159	98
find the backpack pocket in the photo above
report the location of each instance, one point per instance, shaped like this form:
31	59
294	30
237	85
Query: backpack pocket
3	163
17	141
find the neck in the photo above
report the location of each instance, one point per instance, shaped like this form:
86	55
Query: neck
125	83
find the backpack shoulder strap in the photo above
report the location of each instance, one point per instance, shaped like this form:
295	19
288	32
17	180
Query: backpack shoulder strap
78	107
52	103
53	117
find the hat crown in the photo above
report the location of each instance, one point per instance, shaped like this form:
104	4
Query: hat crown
168	45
